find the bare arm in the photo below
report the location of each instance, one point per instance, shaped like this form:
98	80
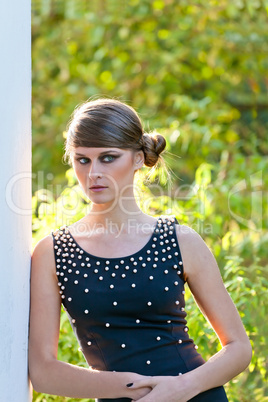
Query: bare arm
48	374
203	277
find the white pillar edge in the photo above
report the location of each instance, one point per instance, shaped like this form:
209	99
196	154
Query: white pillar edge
15	198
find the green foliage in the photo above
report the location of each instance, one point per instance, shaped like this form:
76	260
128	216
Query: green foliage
195	72
197	68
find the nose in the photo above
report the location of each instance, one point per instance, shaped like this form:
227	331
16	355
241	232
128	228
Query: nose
94	170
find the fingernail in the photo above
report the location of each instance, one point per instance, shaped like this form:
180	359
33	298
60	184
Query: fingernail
130	384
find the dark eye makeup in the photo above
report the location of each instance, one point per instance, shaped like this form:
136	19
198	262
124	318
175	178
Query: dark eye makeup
111	157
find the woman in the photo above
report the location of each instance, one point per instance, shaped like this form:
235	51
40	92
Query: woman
120	275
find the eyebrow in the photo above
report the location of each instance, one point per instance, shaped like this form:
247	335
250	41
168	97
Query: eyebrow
102	153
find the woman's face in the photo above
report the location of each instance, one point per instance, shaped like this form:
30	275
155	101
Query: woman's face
111	168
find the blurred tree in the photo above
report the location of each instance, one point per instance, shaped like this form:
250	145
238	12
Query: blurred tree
195	67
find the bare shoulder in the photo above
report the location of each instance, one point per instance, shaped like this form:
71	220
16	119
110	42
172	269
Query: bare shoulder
189	240
186	234
43	255
196	255
45	296
44	247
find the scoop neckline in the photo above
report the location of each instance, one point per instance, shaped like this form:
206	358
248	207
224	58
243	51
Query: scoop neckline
116	258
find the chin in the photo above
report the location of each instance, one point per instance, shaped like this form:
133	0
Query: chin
99	198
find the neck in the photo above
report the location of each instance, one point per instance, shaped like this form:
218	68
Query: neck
119	213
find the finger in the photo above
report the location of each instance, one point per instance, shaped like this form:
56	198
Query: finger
151	397
143	399
147	382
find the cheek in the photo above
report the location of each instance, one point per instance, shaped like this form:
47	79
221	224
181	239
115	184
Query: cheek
80	173
123	173
77	171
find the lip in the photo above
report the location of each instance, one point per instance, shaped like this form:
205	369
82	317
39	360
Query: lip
97	188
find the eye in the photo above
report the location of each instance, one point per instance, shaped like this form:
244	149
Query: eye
80	160
106	159
109	158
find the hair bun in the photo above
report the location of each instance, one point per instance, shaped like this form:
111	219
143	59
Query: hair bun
153	145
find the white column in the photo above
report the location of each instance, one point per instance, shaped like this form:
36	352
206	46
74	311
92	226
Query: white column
15	197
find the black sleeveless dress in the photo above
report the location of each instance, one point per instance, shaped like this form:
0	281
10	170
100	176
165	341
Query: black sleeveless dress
128	313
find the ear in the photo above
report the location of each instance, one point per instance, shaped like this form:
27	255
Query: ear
139	159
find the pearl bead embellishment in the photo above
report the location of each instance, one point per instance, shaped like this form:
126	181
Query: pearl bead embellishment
93	274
